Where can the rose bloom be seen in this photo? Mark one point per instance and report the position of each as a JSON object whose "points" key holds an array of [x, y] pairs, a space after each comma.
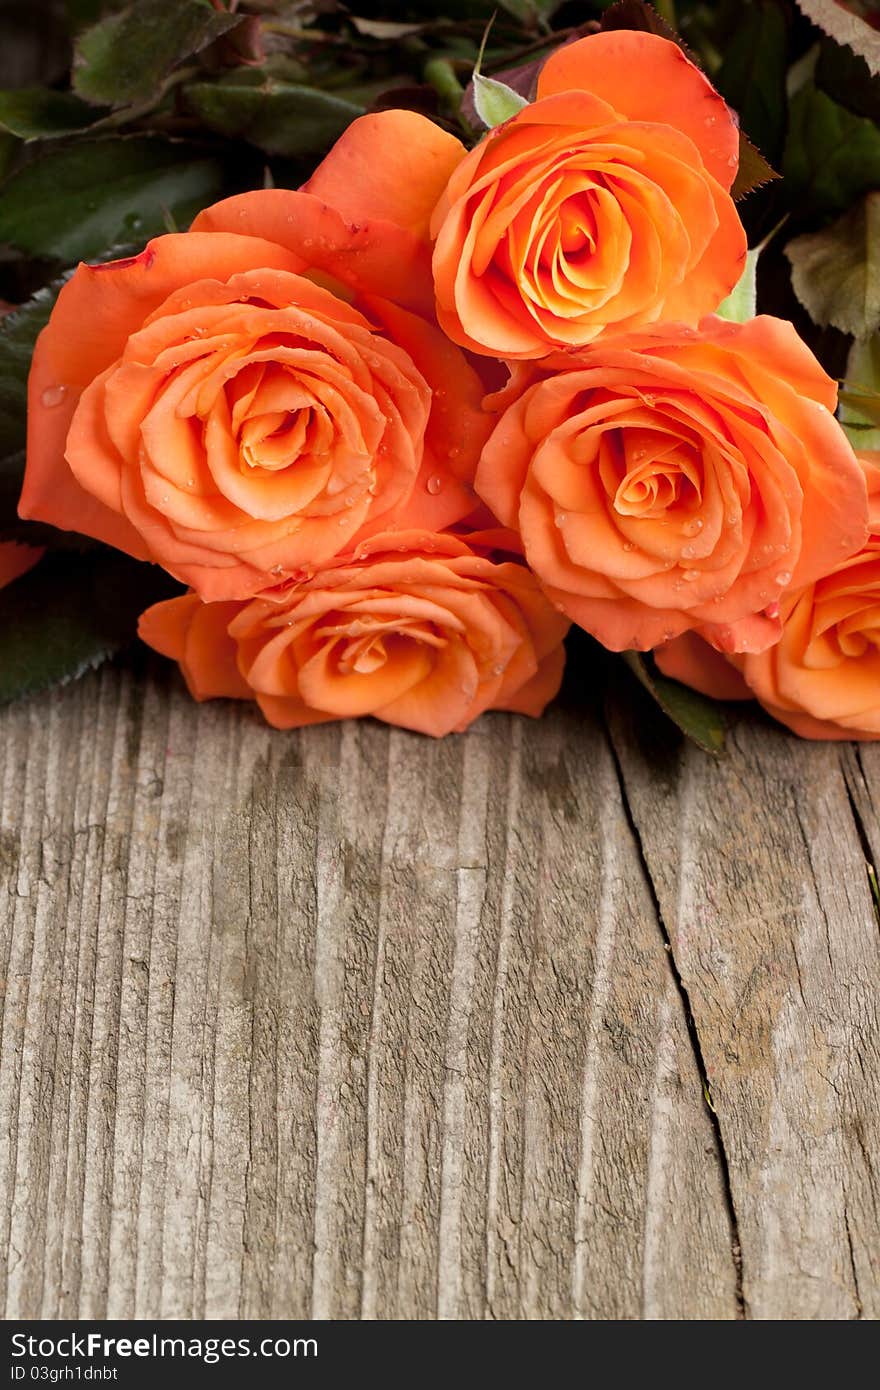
{"points": [[604, 204], [16, 560], [822, 679], [676, 480], [242, 401], [416, 629]]}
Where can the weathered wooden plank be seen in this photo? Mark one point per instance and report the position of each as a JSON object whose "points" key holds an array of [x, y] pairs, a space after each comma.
{"points": [[347, 1024], [762, 884]]}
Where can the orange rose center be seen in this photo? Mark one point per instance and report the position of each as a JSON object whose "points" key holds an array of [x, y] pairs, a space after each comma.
{"points": [[647, 475]]}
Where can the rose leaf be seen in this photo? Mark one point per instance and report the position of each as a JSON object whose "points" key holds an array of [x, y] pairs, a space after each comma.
{"points": [[752, 76], [126, 58], [836, 272], [831, 156], [71, 203], [36, 113], [282, 118], [842, 24], [697, 717], [71, 613], [753, 170], [860, 394]]}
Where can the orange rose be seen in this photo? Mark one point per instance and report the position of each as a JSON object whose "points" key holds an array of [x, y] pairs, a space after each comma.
{"points": [[247, 399], [603, 205], [677, 480], [822, 678], [416, 629]]}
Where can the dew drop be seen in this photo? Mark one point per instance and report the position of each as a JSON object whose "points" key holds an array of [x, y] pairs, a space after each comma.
{"points": [[165, 499], [783, 577], [498, 670], [732, 518], [690, 575], [629, 545], [190, 482], [277, 570], [711, 120], [687, 552], [693, 528], [53, 395], [561, 518], [434, 484]]}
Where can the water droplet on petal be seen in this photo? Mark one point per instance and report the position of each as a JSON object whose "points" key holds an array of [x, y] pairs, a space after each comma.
{"points": [[434, 484], [783, 577], [690, 575], [277, 570], [687, 552], [561, 518], [629, 545], [693, 528], [53, 395], [499, 670]]}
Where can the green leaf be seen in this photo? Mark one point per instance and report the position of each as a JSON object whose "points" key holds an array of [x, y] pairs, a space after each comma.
{"points": [[127, 57], [280, 117], [846, 78], [860, 395], [35, 113], [836, 272], [494, 101], [18, 333], [694, 714], [752, 75], [831, 156], [842, 25], [71, 613], [741, 303], [753, 170], [635, 14], [71, 204]]}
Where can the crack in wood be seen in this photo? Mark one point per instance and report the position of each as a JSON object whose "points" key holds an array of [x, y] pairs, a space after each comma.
{"points": [[692, 1032]]}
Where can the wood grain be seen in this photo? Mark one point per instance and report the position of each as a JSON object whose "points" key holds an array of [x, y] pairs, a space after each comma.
{"points": [[762, 886], [349, 1023]]}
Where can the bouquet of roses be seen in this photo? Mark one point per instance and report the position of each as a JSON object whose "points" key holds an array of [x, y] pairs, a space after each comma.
{"points": [[397, 428]]}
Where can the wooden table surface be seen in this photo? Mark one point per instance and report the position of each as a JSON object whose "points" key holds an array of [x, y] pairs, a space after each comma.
{"points": [[550, 1020]]}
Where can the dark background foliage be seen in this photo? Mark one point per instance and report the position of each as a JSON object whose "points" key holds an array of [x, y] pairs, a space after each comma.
{"points": [[119, 121]]}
